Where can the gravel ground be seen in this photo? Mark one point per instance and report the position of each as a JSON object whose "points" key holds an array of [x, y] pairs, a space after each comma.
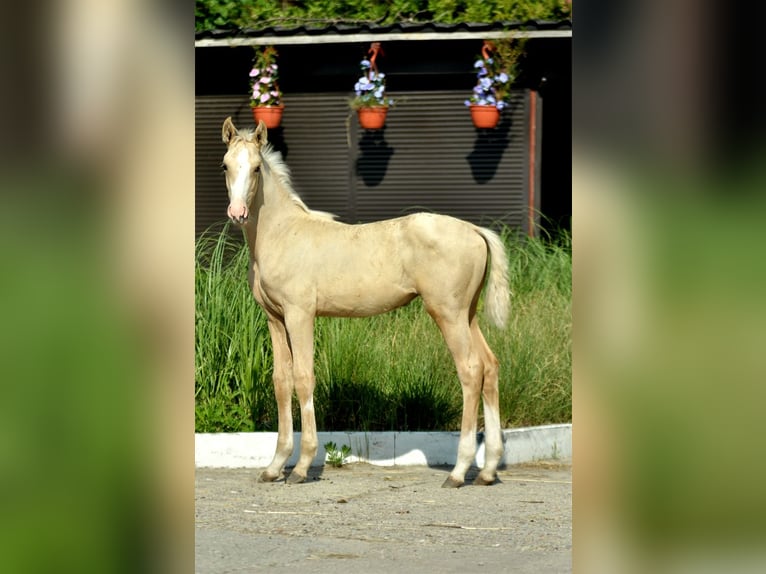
{"points": [[383, 520]]}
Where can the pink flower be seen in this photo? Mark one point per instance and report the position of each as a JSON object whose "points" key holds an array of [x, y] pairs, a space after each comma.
{"points": [[265, 98], [254, 72]]}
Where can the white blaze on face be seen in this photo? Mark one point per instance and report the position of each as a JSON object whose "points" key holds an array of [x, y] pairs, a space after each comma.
{"points": [[240, 186]]}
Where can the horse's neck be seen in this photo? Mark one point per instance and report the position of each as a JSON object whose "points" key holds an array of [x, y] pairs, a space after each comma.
{"points": [[271, 205]]}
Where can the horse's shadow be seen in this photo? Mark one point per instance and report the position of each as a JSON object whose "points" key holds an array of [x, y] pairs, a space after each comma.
{"points": [[374, 155], [316, 474], [488, 150]]}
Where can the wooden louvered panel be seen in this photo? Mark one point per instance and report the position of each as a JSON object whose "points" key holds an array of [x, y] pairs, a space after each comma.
{"points": [[210, 193], [428, 157], [440, 162]]}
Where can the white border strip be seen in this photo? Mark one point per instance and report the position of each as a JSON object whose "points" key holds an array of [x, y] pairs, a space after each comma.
{"points": [[233, 42], [254, 450]]}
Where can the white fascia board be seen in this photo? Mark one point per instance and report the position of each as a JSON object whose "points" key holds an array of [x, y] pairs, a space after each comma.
{"points": [[233, 42]]}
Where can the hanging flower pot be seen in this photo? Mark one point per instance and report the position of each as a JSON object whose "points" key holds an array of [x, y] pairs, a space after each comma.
{"points": [[265, 95], [495, 72], [371, 102], [372, 118], [484, 116], [269, 115]]}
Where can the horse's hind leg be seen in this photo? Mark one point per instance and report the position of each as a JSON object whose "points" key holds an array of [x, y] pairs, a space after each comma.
{"points": [[283, 391], [493, 438], [470, 369]]}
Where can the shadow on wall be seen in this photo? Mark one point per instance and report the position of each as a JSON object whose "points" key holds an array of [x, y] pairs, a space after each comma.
{"points": [[243, 118], [488, 150], [277, 140], [374, 155]]}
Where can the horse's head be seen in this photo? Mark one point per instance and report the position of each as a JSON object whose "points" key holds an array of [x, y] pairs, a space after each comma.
{"points": [[241, 166]]}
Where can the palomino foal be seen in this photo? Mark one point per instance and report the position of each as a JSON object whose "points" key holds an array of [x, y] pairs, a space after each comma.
{"points": [[304, 264]]}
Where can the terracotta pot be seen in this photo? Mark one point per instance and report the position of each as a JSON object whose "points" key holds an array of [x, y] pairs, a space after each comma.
{"points": [[484, 116], [372, 118], [269, 115]]}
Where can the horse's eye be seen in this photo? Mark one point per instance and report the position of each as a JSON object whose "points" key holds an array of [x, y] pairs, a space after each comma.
{"points": [[223, 166]]}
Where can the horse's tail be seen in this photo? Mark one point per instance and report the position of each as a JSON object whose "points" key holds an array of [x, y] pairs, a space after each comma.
{"points": [[497, 302]]}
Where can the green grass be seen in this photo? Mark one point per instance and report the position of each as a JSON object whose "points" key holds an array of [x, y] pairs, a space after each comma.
{"points": [[389, 372]]}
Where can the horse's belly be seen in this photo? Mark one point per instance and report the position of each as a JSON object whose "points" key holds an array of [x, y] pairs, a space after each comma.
{"points": [[362, 300]]}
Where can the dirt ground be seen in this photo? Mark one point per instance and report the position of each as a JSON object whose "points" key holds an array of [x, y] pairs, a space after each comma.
{"points": [[365, 518]]}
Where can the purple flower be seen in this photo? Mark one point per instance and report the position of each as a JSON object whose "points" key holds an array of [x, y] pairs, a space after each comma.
{"points": [[478, 64], [502, 77], [370, 88], [485, 83]]}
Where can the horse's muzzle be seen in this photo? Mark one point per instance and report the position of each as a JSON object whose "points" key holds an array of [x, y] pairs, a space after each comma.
{"points": [[237, 213]]}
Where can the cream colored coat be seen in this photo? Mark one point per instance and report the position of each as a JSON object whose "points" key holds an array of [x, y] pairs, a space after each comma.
{"points": [[305, 264]]}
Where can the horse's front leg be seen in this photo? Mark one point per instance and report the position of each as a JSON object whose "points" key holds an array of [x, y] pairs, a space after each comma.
{"points": [[283, 391], [300, 330]]}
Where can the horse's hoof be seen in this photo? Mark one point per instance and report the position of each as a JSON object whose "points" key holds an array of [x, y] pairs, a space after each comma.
{"points": [[482, 481], [452, 483], [266, 477], [296, 478]]}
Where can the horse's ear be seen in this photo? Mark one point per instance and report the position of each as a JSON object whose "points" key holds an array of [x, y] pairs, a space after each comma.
{"points": [[228, 131], [261, 134]]}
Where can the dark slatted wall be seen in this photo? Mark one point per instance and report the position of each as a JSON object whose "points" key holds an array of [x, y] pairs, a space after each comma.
{"points": [[315, 147], [210, 189], [428, 157]]}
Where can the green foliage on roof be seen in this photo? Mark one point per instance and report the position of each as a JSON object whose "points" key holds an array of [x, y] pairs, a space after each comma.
{"points": [[257, 14]]}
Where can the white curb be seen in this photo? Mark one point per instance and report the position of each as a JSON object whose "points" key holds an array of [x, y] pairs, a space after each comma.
{"points": [[255, 450]]}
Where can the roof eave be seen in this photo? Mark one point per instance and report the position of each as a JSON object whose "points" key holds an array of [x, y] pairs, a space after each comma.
{"points": [[352, 34]]}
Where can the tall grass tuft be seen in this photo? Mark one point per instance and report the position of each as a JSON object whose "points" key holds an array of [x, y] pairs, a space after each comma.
{"points": [[384, 373], [233, 362], [389, 372], [535, 351]]}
